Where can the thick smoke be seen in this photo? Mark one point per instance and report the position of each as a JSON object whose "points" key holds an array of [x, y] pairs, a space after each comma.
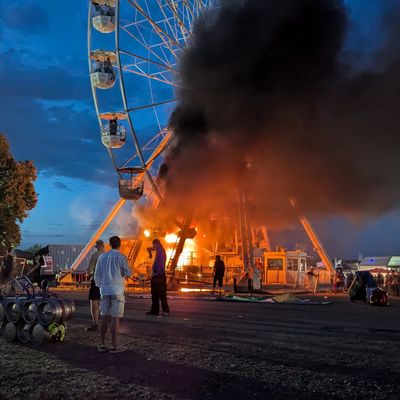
{"points": [[270, 108]]}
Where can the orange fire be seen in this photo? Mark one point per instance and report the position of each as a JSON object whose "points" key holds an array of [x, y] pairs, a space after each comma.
{"points": [[188, 252]]}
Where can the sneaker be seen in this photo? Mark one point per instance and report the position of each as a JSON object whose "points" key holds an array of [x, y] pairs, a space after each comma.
{"points": [[118, 349], [165, 314], [151, 313], [102, 349], [93, 328]]}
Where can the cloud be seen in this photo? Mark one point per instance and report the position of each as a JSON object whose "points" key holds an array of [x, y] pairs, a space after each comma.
{"points": [[28, 17], [62, 186], [90, 227], [51, 83], [55, 122], [41, 235]]}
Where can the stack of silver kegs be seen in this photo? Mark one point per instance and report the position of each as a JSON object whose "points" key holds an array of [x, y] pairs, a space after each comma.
{"points": [[34, 320]]}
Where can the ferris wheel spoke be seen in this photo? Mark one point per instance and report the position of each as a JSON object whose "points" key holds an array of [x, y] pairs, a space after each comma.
{"points": [[165, 37], [148, 60], [143, 43], [152, 145], [160, 148], [150, 76], [184, 30], [168, 22], [151, 105], [188, 8]]}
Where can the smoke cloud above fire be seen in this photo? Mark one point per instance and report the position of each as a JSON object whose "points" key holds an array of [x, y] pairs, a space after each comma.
{"points": [[270, 107]]}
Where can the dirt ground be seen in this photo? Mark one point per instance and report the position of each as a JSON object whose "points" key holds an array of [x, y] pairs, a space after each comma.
{"points": [[218, 350]]}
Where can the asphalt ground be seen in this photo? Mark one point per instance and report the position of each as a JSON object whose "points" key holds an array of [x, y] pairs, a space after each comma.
{"points": [[218, 350]]}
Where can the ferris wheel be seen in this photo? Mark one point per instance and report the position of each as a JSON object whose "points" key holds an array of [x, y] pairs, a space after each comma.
{"points": [[134, 48]]}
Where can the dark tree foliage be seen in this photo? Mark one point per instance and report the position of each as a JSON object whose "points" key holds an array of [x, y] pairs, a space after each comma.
{"points": [[17, 194]]}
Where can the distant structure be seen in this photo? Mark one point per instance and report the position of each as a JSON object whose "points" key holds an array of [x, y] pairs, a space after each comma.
{"points": [[385, 263], [65, 254]]}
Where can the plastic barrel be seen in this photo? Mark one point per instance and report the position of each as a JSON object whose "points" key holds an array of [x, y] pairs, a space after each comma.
{"points": [[9, 331], [29, 310], [40, 335], [12, 309], [24, 331]]}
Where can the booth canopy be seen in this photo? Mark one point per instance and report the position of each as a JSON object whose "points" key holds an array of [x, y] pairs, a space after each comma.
{"points": [[102, 55], [385, 263], [112, 115]]}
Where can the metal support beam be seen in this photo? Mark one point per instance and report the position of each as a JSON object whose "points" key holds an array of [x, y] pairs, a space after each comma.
{"points": [[316, 242], [98, 233]]}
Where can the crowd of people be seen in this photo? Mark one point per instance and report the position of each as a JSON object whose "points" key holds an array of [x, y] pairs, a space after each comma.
{"points": [[390, 282]]}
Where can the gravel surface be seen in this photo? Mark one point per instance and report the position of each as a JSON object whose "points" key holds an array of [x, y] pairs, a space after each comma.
{"points": [[218, 350]]}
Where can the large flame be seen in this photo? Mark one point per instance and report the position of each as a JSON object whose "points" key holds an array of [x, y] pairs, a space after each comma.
{"points": [[189, 253]]}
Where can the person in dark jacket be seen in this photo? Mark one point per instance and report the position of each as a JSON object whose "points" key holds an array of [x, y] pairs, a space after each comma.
{"points": [[8, 266], [219, 273], [158, 280]]}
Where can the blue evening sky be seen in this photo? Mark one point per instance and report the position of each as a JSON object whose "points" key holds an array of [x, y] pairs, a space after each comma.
{"points": [[47, 114]]}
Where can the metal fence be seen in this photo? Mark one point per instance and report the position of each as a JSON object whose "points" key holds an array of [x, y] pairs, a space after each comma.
{"points": [[65, 254]]}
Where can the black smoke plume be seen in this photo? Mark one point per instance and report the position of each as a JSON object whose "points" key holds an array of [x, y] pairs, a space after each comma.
{"points": [[270, 107]]}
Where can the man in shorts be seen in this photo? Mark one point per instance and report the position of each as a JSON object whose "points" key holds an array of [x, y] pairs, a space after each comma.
{"points": [[94, 291], [111, 270]]}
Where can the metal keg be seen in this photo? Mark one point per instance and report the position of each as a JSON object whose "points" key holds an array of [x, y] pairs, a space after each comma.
{"points": [[29, 310], [9, 331], [68, 308], [50, 310], [40, 335], [12, 309], [55, 310], [1, 311], [24, 331]]}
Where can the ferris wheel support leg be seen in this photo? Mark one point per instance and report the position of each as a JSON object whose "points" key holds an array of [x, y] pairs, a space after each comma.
{"points": [[118, 205], [315, 240]]}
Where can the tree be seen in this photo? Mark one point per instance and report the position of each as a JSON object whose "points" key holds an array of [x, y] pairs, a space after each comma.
{"points": [[17, 194], [34, 249]]}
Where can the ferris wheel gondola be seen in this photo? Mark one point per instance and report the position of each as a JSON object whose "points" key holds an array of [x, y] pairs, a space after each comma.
{"points": [[149, 37]]}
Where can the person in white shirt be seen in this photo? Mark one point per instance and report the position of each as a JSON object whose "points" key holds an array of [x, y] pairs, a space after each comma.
{"points": [[111, 270]]}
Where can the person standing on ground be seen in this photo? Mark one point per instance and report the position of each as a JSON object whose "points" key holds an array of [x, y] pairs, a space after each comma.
{"points": [[219, 272], [158, 280], [111, 270], [8, 268], [339, 281], [94, 291]]}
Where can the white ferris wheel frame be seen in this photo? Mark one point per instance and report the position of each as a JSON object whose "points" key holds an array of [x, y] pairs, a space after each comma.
{"points": [[171, 34]]}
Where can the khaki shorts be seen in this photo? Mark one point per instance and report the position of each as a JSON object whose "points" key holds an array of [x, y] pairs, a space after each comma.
{"points": [[113, 305]]}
